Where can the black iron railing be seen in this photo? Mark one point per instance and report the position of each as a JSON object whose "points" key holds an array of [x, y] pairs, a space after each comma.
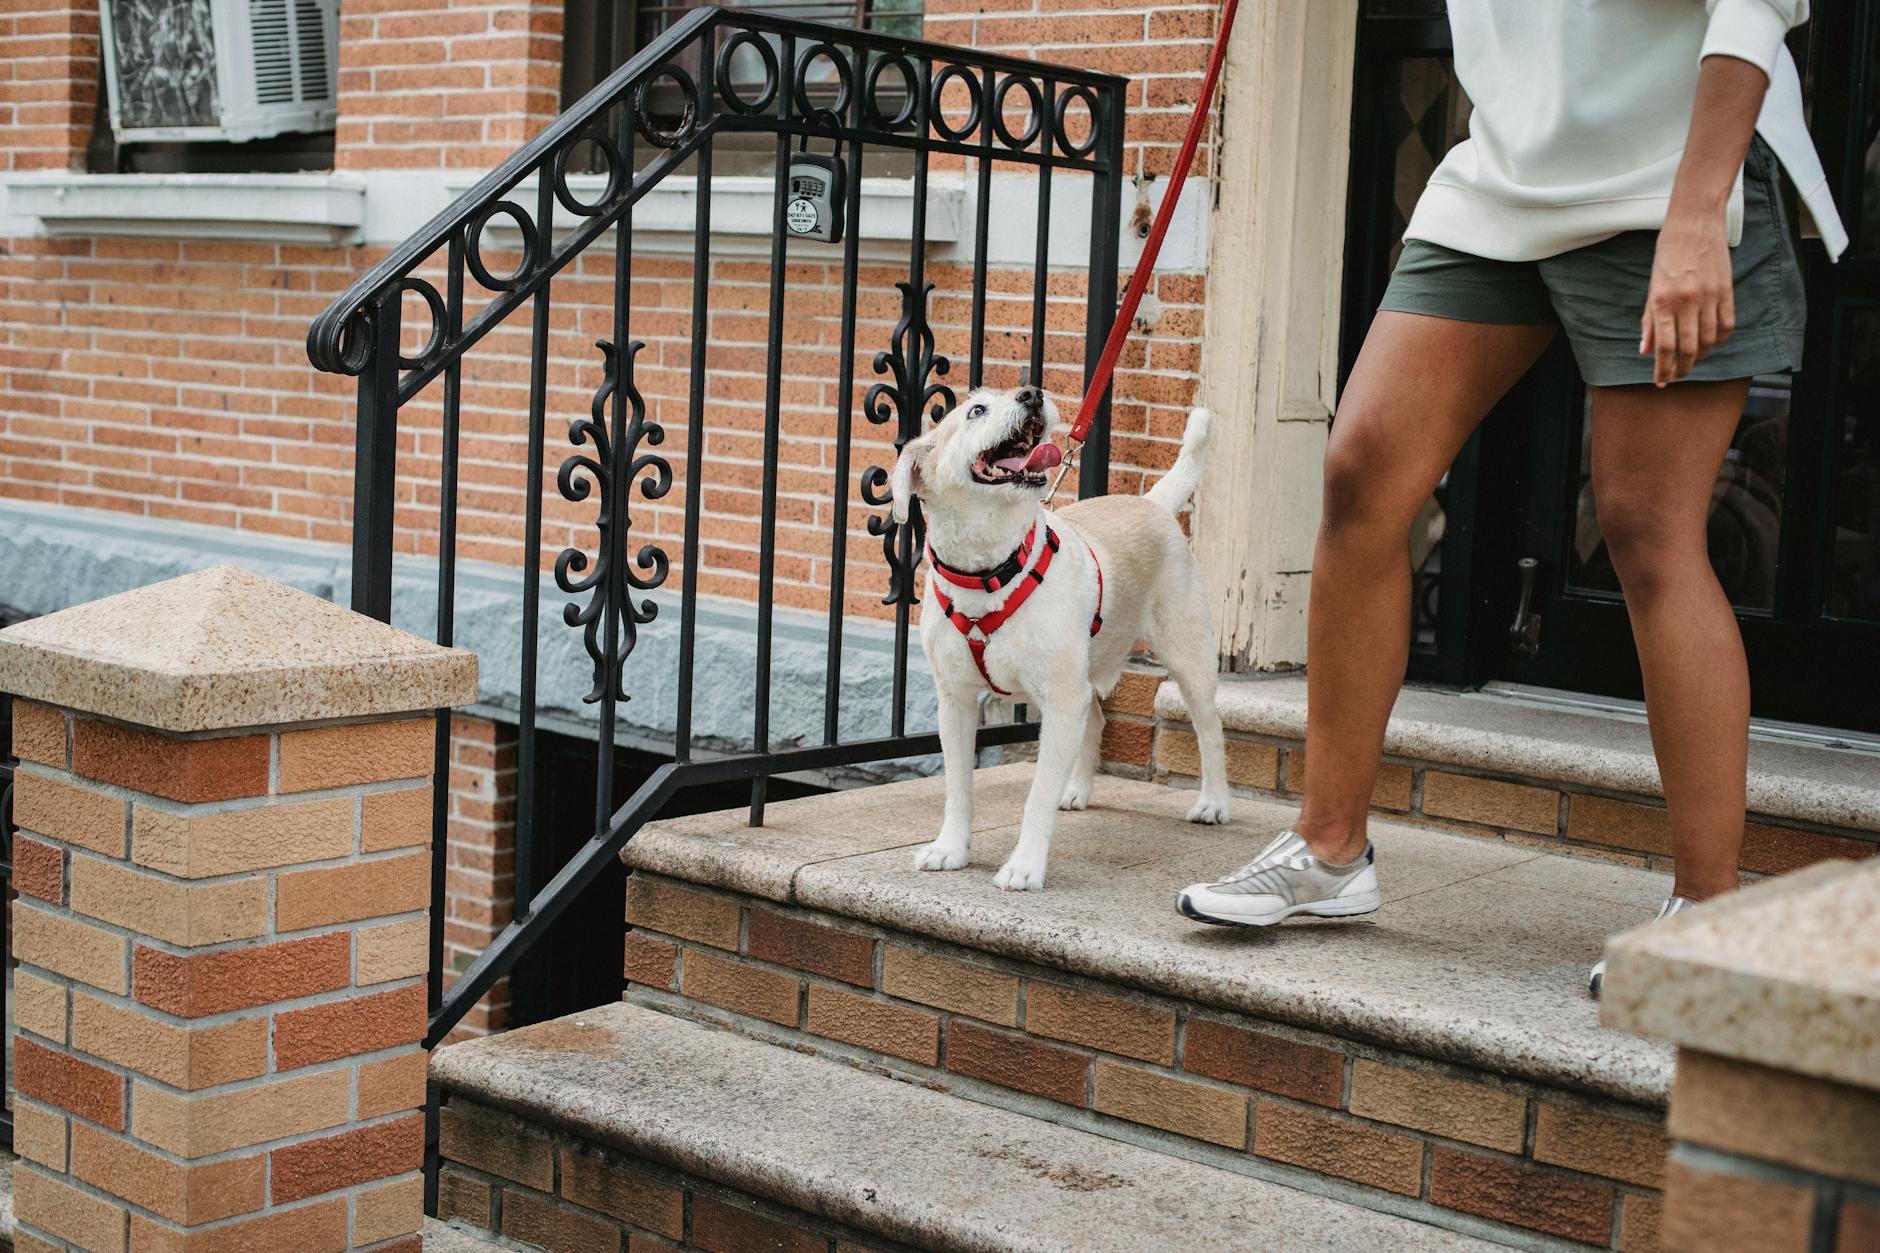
{"points": [[664, 109]]}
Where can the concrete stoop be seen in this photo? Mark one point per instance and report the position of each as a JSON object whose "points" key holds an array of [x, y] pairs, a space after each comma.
{"points": [[622, 1122], [1438, 1062], [1529, 767]]}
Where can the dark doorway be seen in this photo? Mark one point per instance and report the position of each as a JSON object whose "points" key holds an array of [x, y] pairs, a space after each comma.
{"points": [[1795, 524]]}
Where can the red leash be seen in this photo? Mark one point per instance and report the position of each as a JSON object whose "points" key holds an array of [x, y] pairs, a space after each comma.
{"points": [[1145, 265]]}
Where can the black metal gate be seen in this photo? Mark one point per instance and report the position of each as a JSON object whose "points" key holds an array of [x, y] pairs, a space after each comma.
{"points": [[714, 73]]}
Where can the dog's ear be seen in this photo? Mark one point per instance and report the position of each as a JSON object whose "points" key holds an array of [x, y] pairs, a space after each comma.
{"points": [[905, 482]]}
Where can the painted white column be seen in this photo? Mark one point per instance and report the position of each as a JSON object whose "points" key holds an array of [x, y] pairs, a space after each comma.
{"points": [[1269, 359]]}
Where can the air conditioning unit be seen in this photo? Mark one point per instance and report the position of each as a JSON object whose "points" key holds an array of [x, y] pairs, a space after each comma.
{"points": [[219, 69]]}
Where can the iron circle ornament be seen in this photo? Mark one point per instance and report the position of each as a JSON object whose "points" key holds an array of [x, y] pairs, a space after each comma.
{"points": [[845, 83], [688, 119], [354, 342], [1060, 115], [473, 244], [871, 93], [1017, 143], [727, 85], [435, 341], [975, 93], [616, 173]]}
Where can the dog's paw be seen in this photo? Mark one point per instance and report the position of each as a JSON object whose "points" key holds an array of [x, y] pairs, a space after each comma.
{"points": [[1209, 809], [1015, 877], [1076, 795], [940, 855]]}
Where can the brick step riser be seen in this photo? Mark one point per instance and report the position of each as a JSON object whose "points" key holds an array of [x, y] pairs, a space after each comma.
{"points": [[502, 1174], [1447, 1144], [1546, 813]]}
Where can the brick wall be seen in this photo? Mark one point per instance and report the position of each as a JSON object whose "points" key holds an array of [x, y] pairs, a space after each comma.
{"points": [[48, 82], [479, 882], [168, 378], [429, 84]]}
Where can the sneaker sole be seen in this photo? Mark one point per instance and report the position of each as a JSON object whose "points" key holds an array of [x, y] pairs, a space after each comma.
{"points": [[1346, 907]]}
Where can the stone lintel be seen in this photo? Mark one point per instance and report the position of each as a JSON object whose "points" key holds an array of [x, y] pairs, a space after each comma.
{"points": [[1785, 973], [225, 648]]}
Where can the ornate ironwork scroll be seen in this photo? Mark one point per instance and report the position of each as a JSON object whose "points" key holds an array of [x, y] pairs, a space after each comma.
{"points": [[607, 474], [903, 398]]}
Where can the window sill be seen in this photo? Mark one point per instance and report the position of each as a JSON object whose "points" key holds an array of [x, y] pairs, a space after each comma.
{"points": [[743, 209], [276, 208]]}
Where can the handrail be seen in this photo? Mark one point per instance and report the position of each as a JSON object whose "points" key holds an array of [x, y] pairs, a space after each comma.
{"points": [[327, 336]]}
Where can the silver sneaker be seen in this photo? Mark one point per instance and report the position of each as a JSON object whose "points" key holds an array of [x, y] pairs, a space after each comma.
{"points": [[1672, 905], [1285, 879]]}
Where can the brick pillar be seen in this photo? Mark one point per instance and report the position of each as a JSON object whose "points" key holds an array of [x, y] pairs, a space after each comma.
{"points": [[48, 83], [1771, 995], [223, 807]]}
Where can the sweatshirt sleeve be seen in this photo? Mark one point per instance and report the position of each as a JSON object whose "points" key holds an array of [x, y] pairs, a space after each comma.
{"points": [[1751, 30]]}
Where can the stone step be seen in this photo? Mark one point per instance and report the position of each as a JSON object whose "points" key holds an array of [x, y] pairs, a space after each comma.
{"points": [[622, 1121], [1441, 1054], [455, 1237], [1531, 765]]}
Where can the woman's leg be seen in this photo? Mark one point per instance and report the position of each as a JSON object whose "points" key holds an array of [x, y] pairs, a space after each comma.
{"points": [[1655, 459], [1421, 385]]}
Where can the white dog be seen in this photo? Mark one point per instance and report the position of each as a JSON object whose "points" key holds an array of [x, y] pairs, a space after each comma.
{"points": [[1045, 607]]}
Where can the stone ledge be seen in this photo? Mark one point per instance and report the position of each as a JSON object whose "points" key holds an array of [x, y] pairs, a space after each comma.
{"points": [[1834, 787], [224, 648], [275, 208], [1479, 955], [1784, 973], [896, 1160]]}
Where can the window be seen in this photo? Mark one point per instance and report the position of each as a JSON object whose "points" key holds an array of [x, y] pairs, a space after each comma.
{"points": [[599, 35]]}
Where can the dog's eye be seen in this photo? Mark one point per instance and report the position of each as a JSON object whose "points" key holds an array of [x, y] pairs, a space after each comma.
{"points": [[977, 411]]}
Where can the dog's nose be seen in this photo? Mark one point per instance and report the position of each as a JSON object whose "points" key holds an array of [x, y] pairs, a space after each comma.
{"points": [[1030, 397]]}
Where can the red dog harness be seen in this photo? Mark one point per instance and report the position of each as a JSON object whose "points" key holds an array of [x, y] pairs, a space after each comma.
{"points": [[996, 578]]}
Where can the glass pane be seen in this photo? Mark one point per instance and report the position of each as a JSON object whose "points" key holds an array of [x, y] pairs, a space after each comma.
{"points": [[1430, 116], [1854, 562], [1868, 118], [1745, 505]]}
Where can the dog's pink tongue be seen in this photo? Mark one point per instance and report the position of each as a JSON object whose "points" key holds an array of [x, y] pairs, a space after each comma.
{"points": [[1043, 457]]}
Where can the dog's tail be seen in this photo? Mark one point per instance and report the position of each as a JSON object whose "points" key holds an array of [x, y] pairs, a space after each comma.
{"points": [[1174, 488]]}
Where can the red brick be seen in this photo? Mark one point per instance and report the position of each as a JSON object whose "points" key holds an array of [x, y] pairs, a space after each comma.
{"points": [[75, 1086], [810, 946], [651, 962], [1016, 1061], [721, 1228], [379, 1151], [1559, 1204], [38, 870], [1271, 1063], [182, 770], [241, 978], [361, 1024]]}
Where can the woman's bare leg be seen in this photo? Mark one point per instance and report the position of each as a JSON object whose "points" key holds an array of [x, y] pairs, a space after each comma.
{"points": [[1421, 385], [1655, 459]]}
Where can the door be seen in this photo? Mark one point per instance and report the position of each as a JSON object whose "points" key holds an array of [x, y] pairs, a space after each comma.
{"points": [[1795, 520]]}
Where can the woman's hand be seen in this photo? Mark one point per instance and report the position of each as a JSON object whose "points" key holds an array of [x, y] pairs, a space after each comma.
{"points": [[1690, 307]]}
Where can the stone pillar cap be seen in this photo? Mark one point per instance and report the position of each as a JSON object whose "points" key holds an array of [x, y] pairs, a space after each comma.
{"points": [[224, 648], [1785, 973]]}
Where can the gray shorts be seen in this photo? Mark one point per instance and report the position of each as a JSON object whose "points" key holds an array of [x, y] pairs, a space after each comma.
{"points": [[1597, 293]]}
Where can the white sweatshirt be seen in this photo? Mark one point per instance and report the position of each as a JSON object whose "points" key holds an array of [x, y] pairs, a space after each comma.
{"points": [[1582, 108]]}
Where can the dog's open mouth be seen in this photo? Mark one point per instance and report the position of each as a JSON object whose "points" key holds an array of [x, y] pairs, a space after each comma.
{"points": [[1023, 460]]}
